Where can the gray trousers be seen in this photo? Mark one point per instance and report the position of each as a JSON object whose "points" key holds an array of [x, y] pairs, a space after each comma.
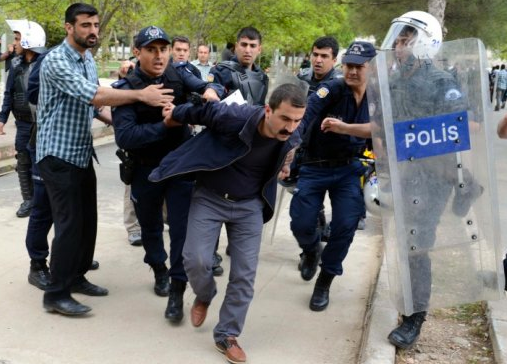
{"points": [[243, 222]]}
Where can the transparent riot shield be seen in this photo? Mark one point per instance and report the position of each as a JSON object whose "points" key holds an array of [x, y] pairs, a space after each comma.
{"points": [[279, 75], [432, 129]]}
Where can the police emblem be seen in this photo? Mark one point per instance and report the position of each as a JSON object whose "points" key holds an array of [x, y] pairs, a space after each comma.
{"points": [[210, 77], [322, 92], [153, 32], [452, 95]]}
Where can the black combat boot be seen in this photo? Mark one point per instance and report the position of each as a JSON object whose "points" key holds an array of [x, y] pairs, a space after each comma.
{"points": [[174, 310], [405, 335], [216, 267], [161, 286], [308, 263], [320, 296], [39, 275]]}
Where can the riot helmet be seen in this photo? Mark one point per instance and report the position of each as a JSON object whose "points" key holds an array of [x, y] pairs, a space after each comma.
{"points": [[33, 37], [420, 33]]}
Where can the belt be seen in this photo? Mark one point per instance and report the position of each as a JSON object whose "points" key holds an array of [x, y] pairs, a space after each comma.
{"points": [[226, 196], [329, 163]]}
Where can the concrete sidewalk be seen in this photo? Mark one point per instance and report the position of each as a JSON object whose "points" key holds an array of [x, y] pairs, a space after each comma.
{"points": [[128, 326]]}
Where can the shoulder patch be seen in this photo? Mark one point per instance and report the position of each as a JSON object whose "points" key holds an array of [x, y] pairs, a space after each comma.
{"points": [[452, 95], [322, 92], [119, 83], [210, 77]]}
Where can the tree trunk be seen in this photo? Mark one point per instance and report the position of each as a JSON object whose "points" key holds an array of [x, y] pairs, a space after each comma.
{"points": [[437, 9]]}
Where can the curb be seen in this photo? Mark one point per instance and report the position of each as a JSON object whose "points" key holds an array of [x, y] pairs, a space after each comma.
{"points": [[102, 134], [497, 318], [382, 319]]}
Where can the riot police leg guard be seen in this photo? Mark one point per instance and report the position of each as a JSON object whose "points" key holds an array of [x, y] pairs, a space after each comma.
{"points": [[25, 182], [405, 335], [320, 296], [174, 310]]}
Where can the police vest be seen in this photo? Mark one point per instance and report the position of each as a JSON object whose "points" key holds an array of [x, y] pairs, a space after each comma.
{"points": [[306, 75], [252, 85], [153, 153], [20, 107]]}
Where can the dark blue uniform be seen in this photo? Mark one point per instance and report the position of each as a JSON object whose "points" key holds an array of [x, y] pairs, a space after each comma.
{"points": [[140, 130], [306, 75], [329, 166], [15, 101]]}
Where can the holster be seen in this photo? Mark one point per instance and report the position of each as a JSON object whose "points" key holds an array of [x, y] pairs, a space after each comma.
{"points": [[127, 166]]}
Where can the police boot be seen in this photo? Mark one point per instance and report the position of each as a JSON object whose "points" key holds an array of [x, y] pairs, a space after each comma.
{"points": [[216, 267], [161, 286], [39, 275], [309, 262], [320, 296], [405, 335], [174, 310], [25, 183]]}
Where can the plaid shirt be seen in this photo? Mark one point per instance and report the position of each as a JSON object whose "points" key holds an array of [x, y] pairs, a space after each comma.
{"points": [[68, 83], [502, 80]]}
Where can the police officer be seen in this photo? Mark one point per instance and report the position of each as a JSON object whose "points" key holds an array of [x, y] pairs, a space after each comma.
{"points": [[417, 89], [336, 124], [141, 131], [241, 72], [181, 53], [29, 41], [322, 60]]}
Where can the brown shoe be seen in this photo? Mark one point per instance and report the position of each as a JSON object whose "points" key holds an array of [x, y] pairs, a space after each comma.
{"points": [[231, 349], [198, 312]]}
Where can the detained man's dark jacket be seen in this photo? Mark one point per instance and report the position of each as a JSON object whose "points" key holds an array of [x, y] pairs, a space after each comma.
{"points": [[228, 137]]}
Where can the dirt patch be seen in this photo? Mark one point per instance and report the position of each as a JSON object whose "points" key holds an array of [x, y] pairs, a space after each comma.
{"points": [[457, 335]]}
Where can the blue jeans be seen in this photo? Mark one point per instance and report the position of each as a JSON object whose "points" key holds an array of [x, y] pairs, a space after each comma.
{"points": [[347, 203], [148, 198]]}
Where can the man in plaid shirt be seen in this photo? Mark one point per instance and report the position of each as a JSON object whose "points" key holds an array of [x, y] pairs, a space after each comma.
{"points": [[69, 98]]}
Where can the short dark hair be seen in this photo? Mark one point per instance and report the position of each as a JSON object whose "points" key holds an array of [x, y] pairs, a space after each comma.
{"points": [[327, 42], [203, 45], [290, 93], [77, 9], [229, 45], [180, 39], [250, 33]]}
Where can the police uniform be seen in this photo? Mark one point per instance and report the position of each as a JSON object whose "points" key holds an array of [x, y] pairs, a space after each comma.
{"points": [[329, 166], [253, 83], [306, 74], [436, 93], [15, 101], [140, 130]]}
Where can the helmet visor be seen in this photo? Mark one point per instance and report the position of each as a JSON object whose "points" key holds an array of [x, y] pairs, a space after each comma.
{"points": [[399, 34]]}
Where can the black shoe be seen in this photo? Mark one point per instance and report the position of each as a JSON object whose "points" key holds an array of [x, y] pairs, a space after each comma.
{"points": [[39, 275], [66, 306], [95, 265], [308, 264], [320, 296], [216, 268], [89, 289], [405, 335], [174, 310], [24, 209], [161, 286]]}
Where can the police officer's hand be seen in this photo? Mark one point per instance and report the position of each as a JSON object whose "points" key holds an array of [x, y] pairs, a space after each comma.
{"points": [[2, 132], [167, 113], [333, 125], [210, 95], [155, 95], [125, 67]]}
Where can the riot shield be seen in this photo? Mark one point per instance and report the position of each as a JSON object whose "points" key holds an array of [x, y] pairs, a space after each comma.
{"points": [[432, 125]]}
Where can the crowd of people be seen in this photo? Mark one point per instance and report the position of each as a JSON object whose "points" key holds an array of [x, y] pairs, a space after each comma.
{"points": [[161, 101]]}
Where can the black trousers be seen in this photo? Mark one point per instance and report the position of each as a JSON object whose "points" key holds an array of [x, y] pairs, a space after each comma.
{"points": [[72, 194]]}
